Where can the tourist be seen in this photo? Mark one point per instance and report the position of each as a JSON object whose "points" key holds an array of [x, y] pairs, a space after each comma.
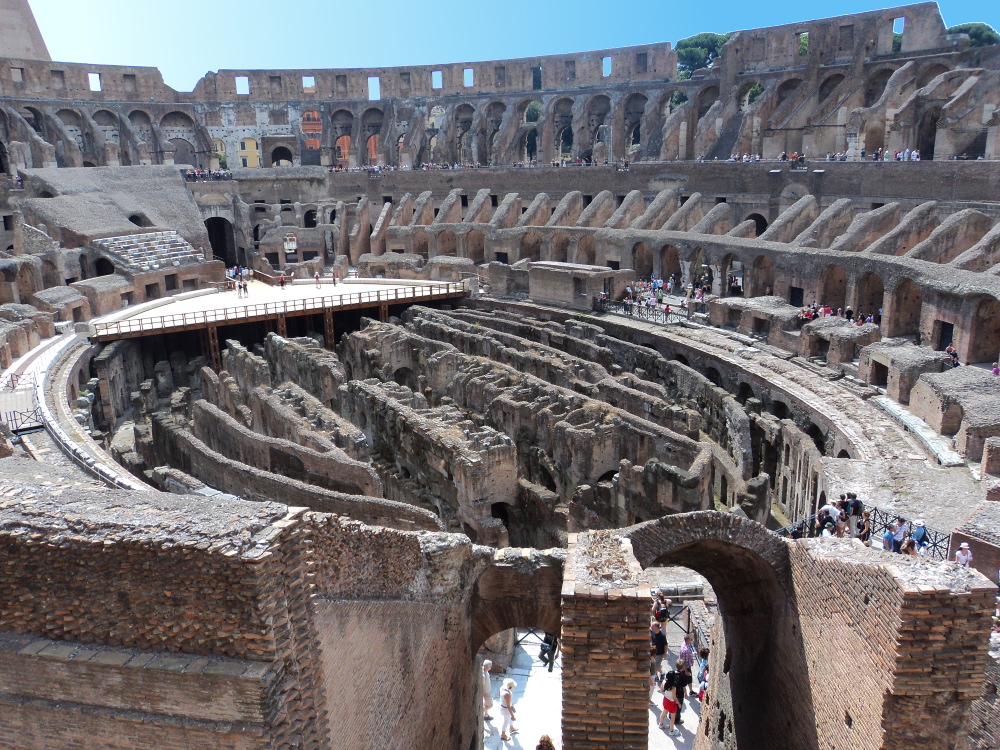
{"points": [[682, 682], [909, 547], [652, 674], [829, 530], [545, 743], [661, 608], [865, 527], [888, 535], [900, 534], [507, 709], [318, 286], [702, 673], [963, 556], [548, 651], [487, 690], [281, 281], [996, 369], [687, 653], [670, 707], [919, 537], [658, 641]]}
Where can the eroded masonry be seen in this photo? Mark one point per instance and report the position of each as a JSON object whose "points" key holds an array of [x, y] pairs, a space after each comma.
{"points": [[448, 408]]}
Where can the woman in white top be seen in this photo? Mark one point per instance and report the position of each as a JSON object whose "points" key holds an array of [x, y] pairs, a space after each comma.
{"points": [[507, 709], [964, 555]]}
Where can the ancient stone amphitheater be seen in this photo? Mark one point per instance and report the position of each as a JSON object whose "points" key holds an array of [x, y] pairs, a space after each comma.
{"points": [[271, 522]]}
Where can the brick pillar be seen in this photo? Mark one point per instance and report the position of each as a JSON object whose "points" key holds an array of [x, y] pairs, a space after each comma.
{"points": [[605, 679]]}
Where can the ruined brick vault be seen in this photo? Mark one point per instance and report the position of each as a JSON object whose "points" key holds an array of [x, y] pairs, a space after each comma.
{"points": [[272, 533]]}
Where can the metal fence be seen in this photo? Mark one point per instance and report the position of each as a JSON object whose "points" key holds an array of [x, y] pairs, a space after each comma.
{"points": [[18, 402], [937, 541], [641, 312]]}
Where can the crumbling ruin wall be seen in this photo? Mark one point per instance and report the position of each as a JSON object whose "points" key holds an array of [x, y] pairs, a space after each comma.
{"points": [[332, 469], [119, 370], [171, 444], [289, 412], [304, 362]]}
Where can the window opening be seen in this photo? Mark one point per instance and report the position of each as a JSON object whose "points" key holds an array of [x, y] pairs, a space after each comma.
{"points": [[242, 85]]}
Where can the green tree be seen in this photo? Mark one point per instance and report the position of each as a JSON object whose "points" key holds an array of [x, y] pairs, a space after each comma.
{"points": [[223, 163], [755, 91], [699, 51], [677, 100], [532, 113], [980, 34], [897, 43]]}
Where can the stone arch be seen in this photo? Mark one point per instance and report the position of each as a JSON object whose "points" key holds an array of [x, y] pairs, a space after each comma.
{"points": [[786, 88], [475, 246], [562, 127], [642, 260], [869, 294], [309, 219], [759, 222], [907, 304], [984, 332], [491, 123], [531, 246], [828, 86], [463, 118], [222, 240], [762, 277], [744, 393], [706, 98], [559, 248], [632, 112], [743, 95], [586, 250], [103, 267], [341, 130], [832, 290], [597, 113], [726, 270], [281, 157], [35, 119], [371, 130], [750, 571], [519, 593], [929, 73], [447, 243], [876, 84]]}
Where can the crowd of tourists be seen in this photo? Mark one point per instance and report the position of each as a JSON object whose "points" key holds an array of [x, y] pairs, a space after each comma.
{"points": [[207, 175], [688, 677], [816, 310]]}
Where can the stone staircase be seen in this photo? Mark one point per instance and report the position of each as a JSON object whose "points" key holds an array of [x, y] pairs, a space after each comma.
{"points": [[152, 250]]}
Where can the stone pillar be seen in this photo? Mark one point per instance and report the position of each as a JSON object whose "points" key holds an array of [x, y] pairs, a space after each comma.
{"points": [[605, 642]]}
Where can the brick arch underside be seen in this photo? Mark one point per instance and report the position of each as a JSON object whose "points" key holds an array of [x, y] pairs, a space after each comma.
{"points": [[760, 675], [508, 597]]}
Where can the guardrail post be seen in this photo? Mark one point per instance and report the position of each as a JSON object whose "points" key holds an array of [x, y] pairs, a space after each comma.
{"points": [[383, 313], [210, 346], [282, 325]]}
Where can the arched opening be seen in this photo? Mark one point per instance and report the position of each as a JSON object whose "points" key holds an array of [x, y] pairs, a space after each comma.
{"points": [[832, 287], [870, 293], [221, 238], [843, 454], [597, 112], [103, 267], [762, 277], [828, 86], [759, 222], [407, 377], [309, 219], [787, 88], [566, 143], [984, 333], [4, 160], [670, 268], [875, 86], [681, 360], [732, 276], [342, 149], [818, 436], [744, 393], [929, 73], [529, 146], [281, 157], [446, 243], [713, 375], [184, 152], [531, 247], [475, 246], [84, 267], [759, 637], [780, 410], [559, 248], [642, 260], [706, 99], [907, 303], [927, 133], [586, 250], [633, 110], [140, 220]]}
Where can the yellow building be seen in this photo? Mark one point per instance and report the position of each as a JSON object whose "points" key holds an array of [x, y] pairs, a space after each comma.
{"points": [[249, 153]]}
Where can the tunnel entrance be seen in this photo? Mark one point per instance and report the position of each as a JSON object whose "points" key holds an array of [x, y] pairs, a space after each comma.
{"points": [[220, 236]]}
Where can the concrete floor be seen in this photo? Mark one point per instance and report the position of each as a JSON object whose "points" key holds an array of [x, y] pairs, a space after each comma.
{"points": [[538, 702]]}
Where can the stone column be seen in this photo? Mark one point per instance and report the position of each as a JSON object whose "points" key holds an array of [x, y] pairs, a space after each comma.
{"points": [[605, 642]]}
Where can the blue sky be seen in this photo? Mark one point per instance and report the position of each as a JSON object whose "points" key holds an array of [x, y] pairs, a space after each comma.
{"points": [[187, 38]]}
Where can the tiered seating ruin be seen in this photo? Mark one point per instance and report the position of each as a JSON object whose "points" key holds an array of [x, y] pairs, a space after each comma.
{"points": [[152, 250]]}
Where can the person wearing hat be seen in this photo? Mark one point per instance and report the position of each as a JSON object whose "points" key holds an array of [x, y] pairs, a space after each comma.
{"points": [[828, 529], [964, 555], [919, 536], [507, 709]]}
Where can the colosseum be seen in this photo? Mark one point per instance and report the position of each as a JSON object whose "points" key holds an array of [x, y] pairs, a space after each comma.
{"points": [[320, 387]]}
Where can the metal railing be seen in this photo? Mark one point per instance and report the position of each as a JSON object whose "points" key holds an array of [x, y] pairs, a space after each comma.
{"points": [[267, 309], [936, 547], [641, 311]]}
